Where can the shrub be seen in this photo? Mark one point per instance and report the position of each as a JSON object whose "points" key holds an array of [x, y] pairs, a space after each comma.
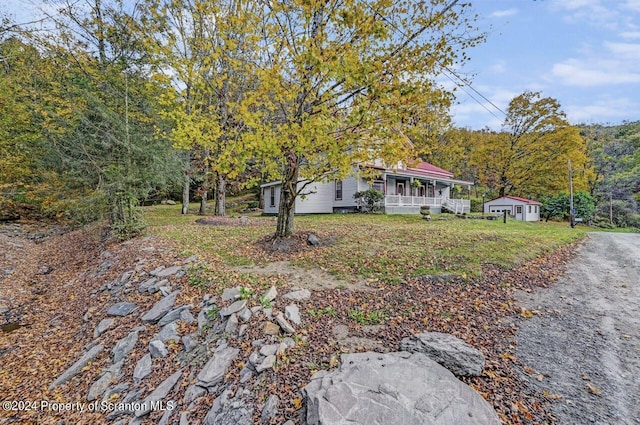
{"points": [[369, 200]]}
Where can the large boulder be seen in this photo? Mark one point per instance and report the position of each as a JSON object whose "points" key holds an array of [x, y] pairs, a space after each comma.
{"points": [[451, 352], [408, 388]]}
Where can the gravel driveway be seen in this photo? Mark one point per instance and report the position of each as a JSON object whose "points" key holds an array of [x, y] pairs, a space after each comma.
{"points": [[583, 344]]}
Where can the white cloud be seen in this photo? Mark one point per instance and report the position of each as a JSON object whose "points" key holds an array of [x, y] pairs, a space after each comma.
{"points": [[498, 67], [602, 110], [503, 13], [630, 35], [629, 52], [611, 64], [573, 72], [632, 5], [592, 12]]}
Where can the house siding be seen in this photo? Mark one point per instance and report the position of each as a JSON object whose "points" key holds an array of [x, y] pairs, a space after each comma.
{"points": [[319, 199], [266, 196], [349, 188]]}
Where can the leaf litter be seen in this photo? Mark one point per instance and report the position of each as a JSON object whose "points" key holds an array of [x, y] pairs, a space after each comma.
{"points": [[62, 315]]}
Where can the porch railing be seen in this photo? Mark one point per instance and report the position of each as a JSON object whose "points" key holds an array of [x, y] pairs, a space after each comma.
{"points": [[411, 201], [456, 205]]}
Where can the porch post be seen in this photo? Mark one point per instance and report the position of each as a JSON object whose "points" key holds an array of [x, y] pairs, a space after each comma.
{"points": [[411, 189]]}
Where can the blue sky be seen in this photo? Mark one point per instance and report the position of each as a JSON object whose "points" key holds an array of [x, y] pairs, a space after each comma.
{"points": [[584, 53]]}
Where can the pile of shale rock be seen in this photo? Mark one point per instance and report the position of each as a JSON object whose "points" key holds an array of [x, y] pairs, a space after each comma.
{"points": [[415, 385]]}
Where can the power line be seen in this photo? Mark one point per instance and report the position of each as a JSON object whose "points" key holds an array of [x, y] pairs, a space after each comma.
{"points": [[461, 82]]}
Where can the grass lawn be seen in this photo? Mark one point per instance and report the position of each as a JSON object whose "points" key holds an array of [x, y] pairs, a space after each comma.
{"points": [[389, 248]]}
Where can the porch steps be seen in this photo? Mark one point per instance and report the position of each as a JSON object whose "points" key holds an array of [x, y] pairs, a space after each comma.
{"points": [[454, 206]]}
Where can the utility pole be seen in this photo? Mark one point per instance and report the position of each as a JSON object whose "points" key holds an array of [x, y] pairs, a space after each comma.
{"points": [[572, 218], [611, 208]]}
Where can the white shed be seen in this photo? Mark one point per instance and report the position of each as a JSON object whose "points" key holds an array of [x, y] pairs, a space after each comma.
{"points": [[518, 208]]}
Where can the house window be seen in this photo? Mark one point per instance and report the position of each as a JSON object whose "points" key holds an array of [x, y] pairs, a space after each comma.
{"points": [[272, 196], [401, 189], [338, 190], [379, 185]]}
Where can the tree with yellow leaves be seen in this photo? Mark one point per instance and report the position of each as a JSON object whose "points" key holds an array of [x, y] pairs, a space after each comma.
{"points": [[530, 157], [204, 55], [347, 82]]}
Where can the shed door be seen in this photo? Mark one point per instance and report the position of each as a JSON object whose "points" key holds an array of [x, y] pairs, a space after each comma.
{"points": [[518, 212]]}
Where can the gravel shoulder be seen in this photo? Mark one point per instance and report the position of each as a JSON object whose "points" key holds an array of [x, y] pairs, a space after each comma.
{"points": [[582, 347]]}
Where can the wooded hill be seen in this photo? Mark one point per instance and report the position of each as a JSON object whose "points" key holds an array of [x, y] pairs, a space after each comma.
{"points": [[108, 109]]}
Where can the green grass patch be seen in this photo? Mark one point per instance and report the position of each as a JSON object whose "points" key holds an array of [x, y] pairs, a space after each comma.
{"points": [[388, 248]]}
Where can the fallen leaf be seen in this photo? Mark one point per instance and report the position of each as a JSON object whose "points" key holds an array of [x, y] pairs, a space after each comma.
{"points": [[593, 389]]}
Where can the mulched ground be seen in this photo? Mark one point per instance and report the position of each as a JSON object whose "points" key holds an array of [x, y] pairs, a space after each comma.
{"points": [[49, 285]]}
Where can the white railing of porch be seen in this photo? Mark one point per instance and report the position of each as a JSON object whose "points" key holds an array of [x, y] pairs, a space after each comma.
{"points": [[411, 201], [458, 206]]}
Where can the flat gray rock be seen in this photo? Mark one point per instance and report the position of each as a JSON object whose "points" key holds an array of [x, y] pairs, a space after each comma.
{"points": [[173, 315], [160, 308], [190, 342], [144, 286], [267, 363], [449, 351], [121, 309], [103, 326], [284, 325], [124, 346], [292, 313], [157, 348], [143, 368], [102, 383], [166, 271], [270, 409], [229, 294], [168, 332], [216, 368], [396, 388], [229, 411], [233, 308], [159, 394], [300, 294], [232, 324], [270, 295], [77, 366]]}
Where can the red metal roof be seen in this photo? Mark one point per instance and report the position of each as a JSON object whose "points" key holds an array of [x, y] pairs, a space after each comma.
{"points": [[425, 167]]}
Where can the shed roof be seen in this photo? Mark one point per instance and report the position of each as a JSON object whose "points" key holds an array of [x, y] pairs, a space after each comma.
{"points": [[518, 199]]}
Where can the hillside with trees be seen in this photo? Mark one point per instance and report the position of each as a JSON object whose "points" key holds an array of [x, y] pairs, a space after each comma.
{"points": [[111, 108]]}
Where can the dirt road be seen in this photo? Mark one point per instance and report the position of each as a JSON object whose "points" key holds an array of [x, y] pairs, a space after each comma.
{"points": [[584, 344]]}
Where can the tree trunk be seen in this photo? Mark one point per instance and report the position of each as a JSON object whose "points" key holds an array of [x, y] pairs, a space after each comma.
{"points": [[204, 189], [221, 187], [203, 200], [186, 183], [286, 209]]}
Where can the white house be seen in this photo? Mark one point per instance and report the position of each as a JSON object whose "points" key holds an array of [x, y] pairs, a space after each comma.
{"points": [[405, 190], [519, 208]]}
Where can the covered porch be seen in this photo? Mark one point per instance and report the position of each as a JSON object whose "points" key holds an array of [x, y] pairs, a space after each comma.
{"points": [[405, 194]]}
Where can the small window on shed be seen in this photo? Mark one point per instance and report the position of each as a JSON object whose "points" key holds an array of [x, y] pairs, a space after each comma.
{"points": [[338, 190], [529, 208], [272, 196]]}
